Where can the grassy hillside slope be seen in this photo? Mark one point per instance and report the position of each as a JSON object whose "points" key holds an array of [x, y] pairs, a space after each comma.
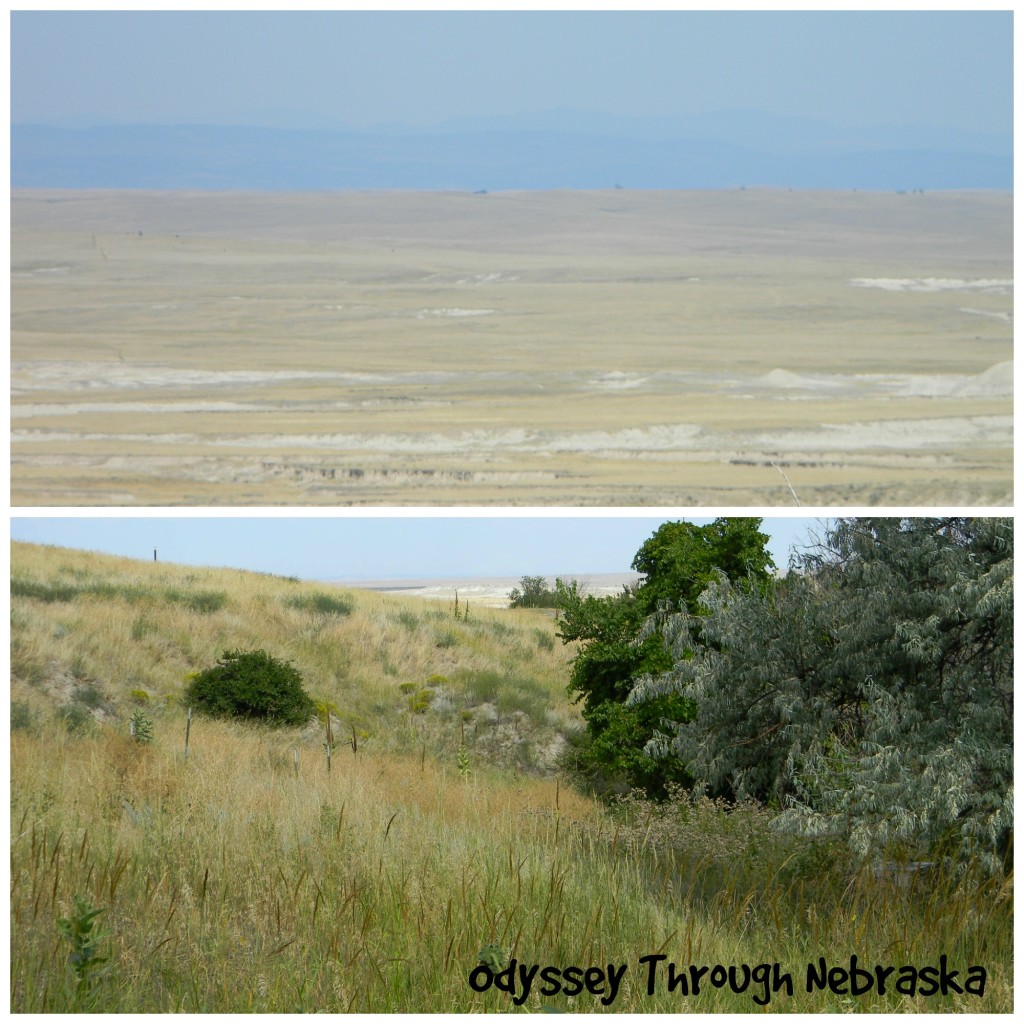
{"points": [[230, 880], [97, 636]]}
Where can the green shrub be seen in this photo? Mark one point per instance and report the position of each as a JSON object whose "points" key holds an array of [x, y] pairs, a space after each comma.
{"points": [[321, 603], [410, 620], [521, 693], [501, 630], [79, 668], [493, 956], [27, 662], [203, 601], [325, 707], [141, 727], [75, 718], [482, 685], [22, 716], [612, 754], [75, 571], [419, 702], [78, 930], [89, 695], [140, 697], [275, 576], [141, 626], [49, 592], [545, 641], [254, 685], [56, 590]]}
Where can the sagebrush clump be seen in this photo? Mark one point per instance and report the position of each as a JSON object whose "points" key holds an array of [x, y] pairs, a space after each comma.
{"points": [[253, 685]]}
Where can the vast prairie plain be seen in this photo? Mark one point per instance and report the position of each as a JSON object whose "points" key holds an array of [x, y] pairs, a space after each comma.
{"points": [[740, 347]]}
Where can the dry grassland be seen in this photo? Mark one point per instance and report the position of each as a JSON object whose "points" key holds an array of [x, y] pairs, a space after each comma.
{"points": [[562, 348], [111, 628]]}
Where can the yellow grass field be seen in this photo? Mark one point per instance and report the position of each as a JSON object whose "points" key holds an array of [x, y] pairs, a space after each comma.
{"points": [[746, 347]]}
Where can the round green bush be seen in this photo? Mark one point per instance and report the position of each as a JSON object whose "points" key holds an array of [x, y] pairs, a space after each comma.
{"points": [[254, 685]]}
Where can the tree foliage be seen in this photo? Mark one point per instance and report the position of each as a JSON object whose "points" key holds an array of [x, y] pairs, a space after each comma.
{"points": [[869, 694], [677, 562], [253, 685], [681, 559], [535, 593]]}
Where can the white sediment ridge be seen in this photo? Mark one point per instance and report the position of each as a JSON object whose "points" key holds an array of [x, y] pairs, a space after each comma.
{"points": [[906, 434], [28, 378], [456, 312], [998, 286], [1001, 315]]}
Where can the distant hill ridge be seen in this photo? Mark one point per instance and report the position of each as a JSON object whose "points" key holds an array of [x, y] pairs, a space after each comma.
{"points": [[595, 153]]}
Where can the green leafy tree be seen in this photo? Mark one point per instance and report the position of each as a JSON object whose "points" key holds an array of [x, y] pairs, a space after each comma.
{"points": [[535, 593], [681, 559], [869, 695], [253, 685], [677, 563]]}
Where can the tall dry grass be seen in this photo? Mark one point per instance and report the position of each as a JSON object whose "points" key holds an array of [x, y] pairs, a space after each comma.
{"points": [[228, 883]]}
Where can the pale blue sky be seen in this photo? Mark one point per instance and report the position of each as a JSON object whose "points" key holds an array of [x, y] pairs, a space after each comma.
{"points": [[947, 68], [381, 547]]}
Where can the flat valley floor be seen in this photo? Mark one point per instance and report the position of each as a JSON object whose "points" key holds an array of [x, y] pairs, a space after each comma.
{"points": [[750, 347]]}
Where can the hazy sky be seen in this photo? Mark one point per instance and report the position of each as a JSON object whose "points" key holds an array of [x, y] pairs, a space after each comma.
{"points": [[952, 69], [378, 547]]}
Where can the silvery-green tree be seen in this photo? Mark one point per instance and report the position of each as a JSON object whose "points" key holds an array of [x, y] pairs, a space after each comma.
{"points": [[869, 695]]}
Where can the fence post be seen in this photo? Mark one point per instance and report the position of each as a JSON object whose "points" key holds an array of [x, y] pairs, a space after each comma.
{"points": [[188, 729]]}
